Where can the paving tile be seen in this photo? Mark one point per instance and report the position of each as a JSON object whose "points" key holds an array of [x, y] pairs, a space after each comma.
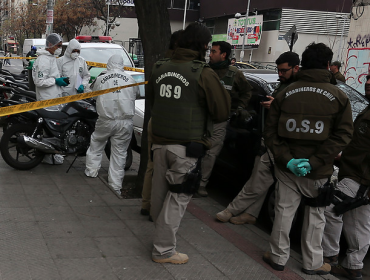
{"points": [[86, 213], [11, 188], [13, 200], [67, 248], [85, 200], [121, 246], [21, 214], [106, 228], [129, 212], [67, 179], [196, 268], [138, 267], [238, 265], [141, 227], [23, 249], [37, 189], [34, 179], [19, 230], [54, 213], [38, 269], [85, 268], [46, 200], [71, 189], [65, 229], [110, 198]]}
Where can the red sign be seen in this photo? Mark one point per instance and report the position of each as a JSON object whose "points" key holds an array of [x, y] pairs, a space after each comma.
{"points": [[49, 16]]}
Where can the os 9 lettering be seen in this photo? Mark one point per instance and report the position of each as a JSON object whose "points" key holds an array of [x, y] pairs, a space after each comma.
{"points": [[291, 125], [166, 91]]}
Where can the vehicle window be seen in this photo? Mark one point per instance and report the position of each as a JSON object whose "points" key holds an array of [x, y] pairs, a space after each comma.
{"points": [[358, 102], [102, 55], [138, 79]]}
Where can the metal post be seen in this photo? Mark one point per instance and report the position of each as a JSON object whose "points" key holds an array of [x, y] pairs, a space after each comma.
{"points": [[49, 24], [245, 32], [107, 32], [341, 39], [183, 24]]}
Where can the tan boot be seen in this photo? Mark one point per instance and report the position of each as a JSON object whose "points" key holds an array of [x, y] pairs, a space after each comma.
{"points": [[224, 216], [244, 218], [177, 258], [323, 270]]}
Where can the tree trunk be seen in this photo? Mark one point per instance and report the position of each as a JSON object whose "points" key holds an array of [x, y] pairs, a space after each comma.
{"points": [[155, 33]]}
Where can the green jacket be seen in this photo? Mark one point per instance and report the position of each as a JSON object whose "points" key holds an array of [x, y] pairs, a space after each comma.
{"points": [[339, 77], [241, 91], [355, 160], [211, 96], [310, 119]]}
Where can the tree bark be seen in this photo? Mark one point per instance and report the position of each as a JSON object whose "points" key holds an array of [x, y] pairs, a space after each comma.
{"points": [[155, 32]]}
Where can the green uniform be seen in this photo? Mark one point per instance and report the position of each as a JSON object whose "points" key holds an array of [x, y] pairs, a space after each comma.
{"points": [[355, 160], [187, 93], [236, 84], [310, 119], [354, 171], [339, 77]]}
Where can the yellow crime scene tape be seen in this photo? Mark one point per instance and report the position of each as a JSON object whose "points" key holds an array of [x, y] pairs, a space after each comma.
{"points": [[90, 63], [15, 109]]}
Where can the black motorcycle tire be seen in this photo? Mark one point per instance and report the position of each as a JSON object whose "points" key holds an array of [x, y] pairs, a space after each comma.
{"points": [[9, 138], [128, 156]]}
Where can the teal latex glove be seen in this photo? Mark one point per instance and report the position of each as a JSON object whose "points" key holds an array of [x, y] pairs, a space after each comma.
{"points": [[80, 89], [61, 82], [296, 170], [306, 165]]}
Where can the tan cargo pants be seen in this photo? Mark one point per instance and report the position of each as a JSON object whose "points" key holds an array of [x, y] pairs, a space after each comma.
{"points": [[355, 225], [289, 190], [170, 167], [250, 199], [208, 161]]}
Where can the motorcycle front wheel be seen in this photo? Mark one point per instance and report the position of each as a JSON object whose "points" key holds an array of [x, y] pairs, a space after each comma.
{"points": [[19, 155]]}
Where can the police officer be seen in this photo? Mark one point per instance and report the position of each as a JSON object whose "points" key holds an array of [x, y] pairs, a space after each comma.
{"points": [[187, 97], [354, 179], [334, 68], [240, 91], [308, 124], [250, 199]]}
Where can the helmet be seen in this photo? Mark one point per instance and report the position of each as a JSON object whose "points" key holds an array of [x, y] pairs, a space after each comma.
{"points": [[33, 48]]}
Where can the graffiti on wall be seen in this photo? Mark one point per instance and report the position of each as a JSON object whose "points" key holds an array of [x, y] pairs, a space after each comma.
{"points": [[357, 67], [361, 41]]}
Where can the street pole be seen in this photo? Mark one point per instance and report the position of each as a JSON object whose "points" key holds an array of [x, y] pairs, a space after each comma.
{"points": [[183, 24], [107, 32], [245, 32], [341, 39], [49, 17]]}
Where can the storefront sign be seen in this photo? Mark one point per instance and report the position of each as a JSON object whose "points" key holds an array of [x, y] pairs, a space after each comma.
{"points": [[235, 32]]}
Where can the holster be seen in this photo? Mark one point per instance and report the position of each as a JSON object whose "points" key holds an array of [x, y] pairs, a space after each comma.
{"points": [[325, 197], [193, 177], [344, 203]]}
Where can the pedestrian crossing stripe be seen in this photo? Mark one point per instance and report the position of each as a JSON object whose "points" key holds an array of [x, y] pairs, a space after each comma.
{"points": [[16, 109], [90, 63]]}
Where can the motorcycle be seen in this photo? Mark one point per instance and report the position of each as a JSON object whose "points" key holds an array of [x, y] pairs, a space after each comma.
{"points": [[66, 132]]}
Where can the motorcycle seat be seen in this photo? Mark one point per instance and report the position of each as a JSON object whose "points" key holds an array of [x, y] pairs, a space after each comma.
{"points": [[52, 114], [28, 93]]}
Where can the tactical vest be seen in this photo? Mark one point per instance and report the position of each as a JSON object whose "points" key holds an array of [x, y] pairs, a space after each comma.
{"points": [[176, 113], [228, 80]]}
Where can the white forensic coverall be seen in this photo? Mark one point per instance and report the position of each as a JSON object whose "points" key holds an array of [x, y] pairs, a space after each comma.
{"points": [[75, 68], [44, 73], [116, 111]]}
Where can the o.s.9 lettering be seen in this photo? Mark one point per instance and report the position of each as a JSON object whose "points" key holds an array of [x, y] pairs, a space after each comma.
{"points": [[166, 91], [291, 125]]}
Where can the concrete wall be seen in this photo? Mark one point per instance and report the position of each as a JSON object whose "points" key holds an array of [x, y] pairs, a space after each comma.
{"points": [[357, 51]]}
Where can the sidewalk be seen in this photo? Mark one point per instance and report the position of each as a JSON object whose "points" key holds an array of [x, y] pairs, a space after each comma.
{"points": [[55, 225]]}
